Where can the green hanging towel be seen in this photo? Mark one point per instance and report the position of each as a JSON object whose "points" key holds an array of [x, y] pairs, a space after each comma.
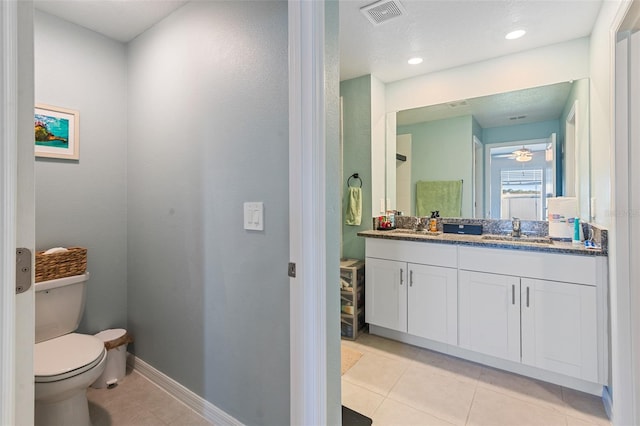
{"points": [[442, 195], [353, 214]]}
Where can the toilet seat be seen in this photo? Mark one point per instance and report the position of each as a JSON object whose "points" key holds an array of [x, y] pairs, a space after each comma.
{"points": [[66, 356]]}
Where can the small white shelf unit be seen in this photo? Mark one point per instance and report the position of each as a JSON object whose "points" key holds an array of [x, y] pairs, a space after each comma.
{"points": [[351, 298]]}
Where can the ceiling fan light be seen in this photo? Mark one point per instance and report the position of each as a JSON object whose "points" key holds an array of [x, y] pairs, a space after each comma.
{"points": [[523, 158], [415, 61]]}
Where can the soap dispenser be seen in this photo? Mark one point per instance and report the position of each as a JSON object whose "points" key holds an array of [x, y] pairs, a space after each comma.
{"points": [[433, 221]]}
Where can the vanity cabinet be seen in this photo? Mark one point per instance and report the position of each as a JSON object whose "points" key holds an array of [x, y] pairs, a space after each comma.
{"points": [[412, 288], [547, 324], [550, 324], [432, 303], [386, 301], [559, 327], [489, 314], [535, 313]]}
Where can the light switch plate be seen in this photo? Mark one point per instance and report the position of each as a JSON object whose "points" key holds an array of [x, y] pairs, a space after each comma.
{"points": [[254, 216]]}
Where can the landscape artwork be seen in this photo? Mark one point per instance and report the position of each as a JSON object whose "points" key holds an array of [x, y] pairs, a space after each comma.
{"points": [[56, 132]]}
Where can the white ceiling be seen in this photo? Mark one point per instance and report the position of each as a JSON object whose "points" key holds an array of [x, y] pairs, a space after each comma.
{"points": [[504, 109], [120, 20], [446, 33], [450, 33]]}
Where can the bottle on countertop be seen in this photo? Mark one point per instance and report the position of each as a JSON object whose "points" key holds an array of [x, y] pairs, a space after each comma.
{"points": [[391, 217], [433, 221], [577, 240]]}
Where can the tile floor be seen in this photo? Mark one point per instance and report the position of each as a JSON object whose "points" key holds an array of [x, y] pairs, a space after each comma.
{"points": [[394, 384], [398, 384], [138, 402]]}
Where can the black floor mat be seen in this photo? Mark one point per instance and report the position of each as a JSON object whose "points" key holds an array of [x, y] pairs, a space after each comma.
{"points": [[352, 418]]}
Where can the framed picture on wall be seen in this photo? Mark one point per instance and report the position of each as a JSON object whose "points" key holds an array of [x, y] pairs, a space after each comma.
{"points": [[56, 132]]}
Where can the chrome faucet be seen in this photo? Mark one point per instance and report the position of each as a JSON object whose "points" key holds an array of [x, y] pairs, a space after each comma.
{"points": [[515, 227]]}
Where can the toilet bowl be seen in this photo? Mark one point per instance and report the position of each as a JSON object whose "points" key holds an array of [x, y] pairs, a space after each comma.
{"points": [[65, 363], [64, 368]]}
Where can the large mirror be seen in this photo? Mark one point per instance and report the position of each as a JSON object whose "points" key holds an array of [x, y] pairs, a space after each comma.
{"points": [[511, 151]]}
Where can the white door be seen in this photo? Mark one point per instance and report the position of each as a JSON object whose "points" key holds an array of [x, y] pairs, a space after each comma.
{"points": [[489, 316], [569, 160], [559, 328], [403, 175], [17, 222], [386, 293], [433, 303], [625, 315], [478, 183]]}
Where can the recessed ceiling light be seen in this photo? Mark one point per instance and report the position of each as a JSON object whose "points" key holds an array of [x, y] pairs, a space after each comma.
{"points": [[415, 61], [515, 34]]}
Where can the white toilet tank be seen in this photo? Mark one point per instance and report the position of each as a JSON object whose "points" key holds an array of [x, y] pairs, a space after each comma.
{"points": [[59, 306]]}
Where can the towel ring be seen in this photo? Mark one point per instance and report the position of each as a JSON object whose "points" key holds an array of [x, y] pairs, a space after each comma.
{"points": [[354, 176]]}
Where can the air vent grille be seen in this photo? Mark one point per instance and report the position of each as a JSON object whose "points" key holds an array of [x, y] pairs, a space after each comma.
{"points": [[458, 104], [383, 11]]}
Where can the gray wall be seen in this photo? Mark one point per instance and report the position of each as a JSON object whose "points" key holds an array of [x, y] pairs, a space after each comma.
{"points": [[83, 203], [332, 94], [208, 110], [356, 152]]}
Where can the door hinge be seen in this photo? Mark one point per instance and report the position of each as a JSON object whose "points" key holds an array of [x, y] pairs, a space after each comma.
{"points": [[292, 269], [23, 270]]}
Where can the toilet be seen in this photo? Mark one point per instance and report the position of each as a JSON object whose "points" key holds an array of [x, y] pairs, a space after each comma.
{"points": [[65, 363]]}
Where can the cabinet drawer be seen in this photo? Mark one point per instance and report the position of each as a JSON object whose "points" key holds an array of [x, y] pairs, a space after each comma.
{"points": [[413, 252], [546, 266]]}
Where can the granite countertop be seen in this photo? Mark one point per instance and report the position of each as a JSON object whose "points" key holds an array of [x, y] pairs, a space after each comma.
{"points": [[485, 240]]}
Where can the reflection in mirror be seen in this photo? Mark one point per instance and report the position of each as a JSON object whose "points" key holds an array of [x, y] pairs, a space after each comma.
{"points": [[456, 140], [520, 178]]}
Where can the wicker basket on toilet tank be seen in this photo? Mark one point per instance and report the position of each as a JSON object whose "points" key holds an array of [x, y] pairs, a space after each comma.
{"points": [[60, 265]]}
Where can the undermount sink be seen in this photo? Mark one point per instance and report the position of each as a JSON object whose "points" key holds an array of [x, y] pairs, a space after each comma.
{"points": [[414, 232], [522, 239]]}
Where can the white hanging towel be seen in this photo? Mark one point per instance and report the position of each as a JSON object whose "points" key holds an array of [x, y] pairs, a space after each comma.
{"points": [[353, 213]]}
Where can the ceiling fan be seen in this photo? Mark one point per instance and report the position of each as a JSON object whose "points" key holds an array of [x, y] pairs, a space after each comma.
{"points": [[521, 155]]}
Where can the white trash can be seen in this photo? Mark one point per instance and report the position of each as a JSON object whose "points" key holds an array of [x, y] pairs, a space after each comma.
{"points": [[115, 341]]}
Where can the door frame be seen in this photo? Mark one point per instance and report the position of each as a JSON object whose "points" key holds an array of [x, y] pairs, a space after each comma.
{"points": [[8, 206], [624, 248], [17, 211], [307, 213]]}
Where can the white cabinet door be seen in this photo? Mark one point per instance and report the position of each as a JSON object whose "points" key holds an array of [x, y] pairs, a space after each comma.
{"points": [[489, 314], [559, 328], [386, 293], [433, 303]]}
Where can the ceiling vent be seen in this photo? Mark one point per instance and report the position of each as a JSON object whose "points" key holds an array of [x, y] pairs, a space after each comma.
{"points": [[458, 104], [383, 11]]}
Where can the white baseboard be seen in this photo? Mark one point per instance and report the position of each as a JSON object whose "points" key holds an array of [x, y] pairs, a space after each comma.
{"points": [[181, 393]]}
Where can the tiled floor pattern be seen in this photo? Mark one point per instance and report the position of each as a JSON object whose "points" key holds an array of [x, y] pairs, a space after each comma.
{"points": [[394, 384], [138, 402], [398, 384]]}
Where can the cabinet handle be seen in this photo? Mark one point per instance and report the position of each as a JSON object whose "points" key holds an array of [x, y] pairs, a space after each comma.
{"points": [[513, 294], [401, 272], [527, 296], [411, 278]]}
